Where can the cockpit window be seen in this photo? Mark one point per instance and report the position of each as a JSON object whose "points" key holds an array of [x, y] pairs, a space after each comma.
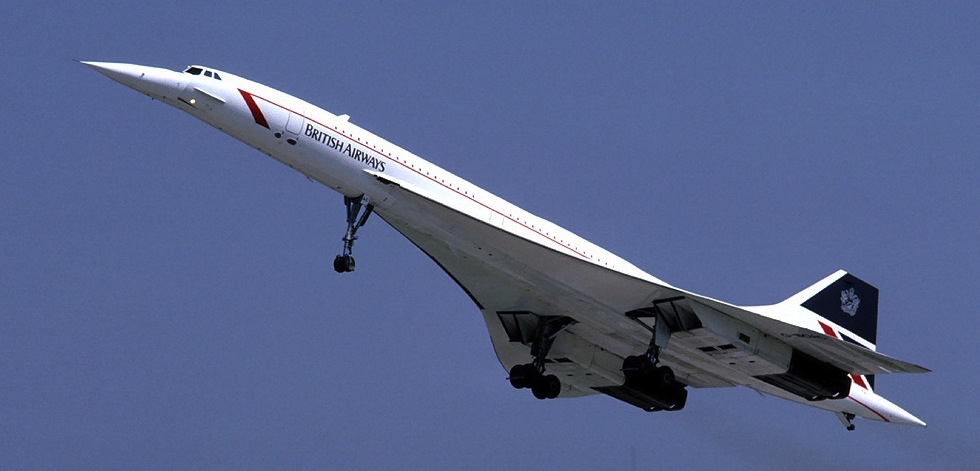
{"points": [[194, 70]]}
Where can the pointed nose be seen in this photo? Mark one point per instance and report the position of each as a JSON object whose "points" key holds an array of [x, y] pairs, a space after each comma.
{"points": [[153, 81], [126, 74]]}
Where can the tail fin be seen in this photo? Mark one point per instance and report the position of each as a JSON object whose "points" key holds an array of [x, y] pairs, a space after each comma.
{"points": [[847, 301]]}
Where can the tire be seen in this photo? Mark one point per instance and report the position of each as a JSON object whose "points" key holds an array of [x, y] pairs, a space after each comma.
{"points": [[633, 370], [343, 263], [632, 364], [552, 386], [539, 389], [519, 377], [665, 376]]}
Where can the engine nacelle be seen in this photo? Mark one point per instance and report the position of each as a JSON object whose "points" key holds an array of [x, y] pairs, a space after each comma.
{"points": [[811, 379]]}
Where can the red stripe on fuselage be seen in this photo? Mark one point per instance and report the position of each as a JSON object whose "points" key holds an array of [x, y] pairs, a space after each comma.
{"points": [[254, 108], [870, 409]]}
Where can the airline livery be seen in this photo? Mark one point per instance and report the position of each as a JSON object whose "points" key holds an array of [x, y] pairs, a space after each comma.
{"points": [[566, 318]]}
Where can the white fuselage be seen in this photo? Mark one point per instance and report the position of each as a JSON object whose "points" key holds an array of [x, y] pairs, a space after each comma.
{"points": [[347, 158]]}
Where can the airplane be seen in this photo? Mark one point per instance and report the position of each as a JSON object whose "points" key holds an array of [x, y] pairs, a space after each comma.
{"points": [[566, 318]]}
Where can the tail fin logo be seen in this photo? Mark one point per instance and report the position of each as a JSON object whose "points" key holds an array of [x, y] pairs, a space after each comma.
{"points": [[849, 301]]}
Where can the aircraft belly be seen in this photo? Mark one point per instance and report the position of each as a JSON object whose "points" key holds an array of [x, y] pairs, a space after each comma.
{"points": [[553, 280], [503, 272], [587, 355]]}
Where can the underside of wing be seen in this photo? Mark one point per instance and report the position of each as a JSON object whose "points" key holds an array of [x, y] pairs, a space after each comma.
{"points": [[514, 281], [595, 320], [849, 356]]}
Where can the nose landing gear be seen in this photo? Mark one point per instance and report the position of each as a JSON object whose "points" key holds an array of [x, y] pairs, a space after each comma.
{"points": [[355, 219]]}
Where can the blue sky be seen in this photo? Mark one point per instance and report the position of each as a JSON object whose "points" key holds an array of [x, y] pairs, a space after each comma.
{"points": [[167, 299]]}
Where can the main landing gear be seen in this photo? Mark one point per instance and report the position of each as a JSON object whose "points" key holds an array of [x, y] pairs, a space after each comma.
{"points": [[355, 219], [661, 389], [529, 375], [651, 385], [532, 375]]}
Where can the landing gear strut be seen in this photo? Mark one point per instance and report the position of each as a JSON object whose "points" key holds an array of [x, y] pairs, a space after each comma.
{"points": [[532, 375], [643, 367], [846, 418], [345, 261]]}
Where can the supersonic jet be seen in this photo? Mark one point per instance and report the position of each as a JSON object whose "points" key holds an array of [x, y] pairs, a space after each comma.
{"points": [[566, 318]]}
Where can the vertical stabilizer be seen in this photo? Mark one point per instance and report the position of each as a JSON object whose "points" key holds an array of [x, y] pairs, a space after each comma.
{"points": [[848, 302]]}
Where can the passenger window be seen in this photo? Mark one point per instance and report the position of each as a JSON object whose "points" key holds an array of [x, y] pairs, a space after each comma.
{"points": [[207, 73]]}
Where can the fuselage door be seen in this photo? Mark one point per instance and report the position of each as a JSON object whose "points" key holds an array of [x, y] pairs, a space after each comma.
{"points": [[294, 123]]}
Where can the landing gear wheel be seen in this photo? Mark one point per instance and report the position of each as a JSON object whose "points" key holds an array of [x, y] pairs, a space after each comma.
{"points": [[343, 263], [546, 387], [665, 376], [552, 386], [522, 376], [636, 368], [846, 418], [633, 364], [538, 390], [656, 388]]}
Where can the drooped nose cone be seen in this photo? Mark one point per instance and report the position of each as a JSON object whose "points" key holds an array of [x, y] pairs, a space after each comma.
{"points": [[158, 83]]}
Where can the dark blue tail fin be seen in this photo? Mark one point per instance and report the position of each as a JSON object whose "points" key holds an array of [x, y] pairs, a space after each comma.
{"points": [[848, 302]]}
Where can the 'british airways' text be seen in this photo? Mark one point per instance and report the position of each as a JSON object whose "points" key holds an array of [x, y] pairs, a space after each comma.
{"points": [[345, 148]]}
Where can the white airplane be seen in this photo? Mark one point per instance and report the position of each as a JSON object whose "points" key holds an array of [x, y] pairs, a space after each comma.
{"points": [[566, 318]]}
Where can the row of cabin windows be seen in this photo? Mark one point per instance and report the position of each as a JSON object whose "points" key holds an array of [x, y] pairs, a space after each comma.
{"points": [[539, 231], [197, 71]]}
